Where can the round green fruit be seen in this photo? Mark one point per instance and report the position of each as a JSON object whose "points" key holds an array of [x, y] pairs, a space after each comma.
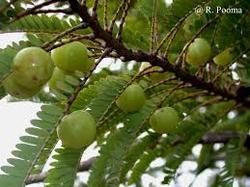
{"points": [[198, 53], [32, 67], [164, 120], [223, 58], [132, 99], [57, 77], [18, 91], [72, 57], [77, 129]]}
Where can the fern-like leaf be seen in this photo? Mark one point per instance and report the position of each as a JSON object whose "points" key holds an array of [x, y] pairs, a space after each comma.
{"points": [[108, 166], [29, 150], [135, 153], [141, 166], [100, 96], [43, 23], [65, 168]]}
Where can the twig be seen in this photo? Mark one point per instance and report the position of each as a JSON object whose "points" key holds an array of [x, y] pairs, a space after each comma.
{"points": [[208, 138], [179, 59], [33, 9], [219, 137], [77, 38], [153, 26], [45, 11], [36, 178], [105, 16], [173, 29], [72, 29], [226, 68], [124, 15], [112, 23], [95, 5], [155, 60], [82, 83]]}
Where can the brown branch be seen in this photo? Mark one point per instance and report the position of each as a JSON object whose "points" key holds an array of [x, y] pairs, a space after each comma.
{"points": [[95, 5], [140, 56], [219, 137], [36, 178], [112, 23], [153, 26], [124, 15], [105, 16], [172, 30], [45, 11], [90, 37], [208, 138], [183, 52], [33, 9], [61, 35]]}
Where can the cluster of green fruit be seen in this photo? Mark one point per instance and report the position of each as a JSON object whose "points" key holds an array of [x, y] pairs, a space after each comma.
{"points": [[163, 120], [78, 129], [199, 52], [33, 67]]}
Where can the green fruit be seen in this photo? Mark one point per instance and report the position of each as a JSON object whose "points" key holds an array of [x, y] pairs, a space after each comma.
{"points": [[198, 53], [223, 58], [164, 120], [77, 129], [18, 91], [155, 77], [57, 77], [32, 68], [132, 99], [72, 57]]}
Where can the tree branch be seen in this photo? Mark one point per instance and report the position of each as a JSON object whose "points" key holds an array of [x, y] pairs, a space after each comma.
{"points": [[45, 11], [220, 137], [208, 138], [36, 178], [33, 9], [140, 56]]}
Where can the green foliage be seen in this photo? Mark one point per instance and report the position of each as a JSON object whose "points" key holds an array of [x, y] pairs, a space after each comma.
{"points": [[31, 147], [127, 144], [7, 54], [141, 166], [135, 153], [108, 166], [44, 23], [205, 159], [64, 168], [68, 158]]}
